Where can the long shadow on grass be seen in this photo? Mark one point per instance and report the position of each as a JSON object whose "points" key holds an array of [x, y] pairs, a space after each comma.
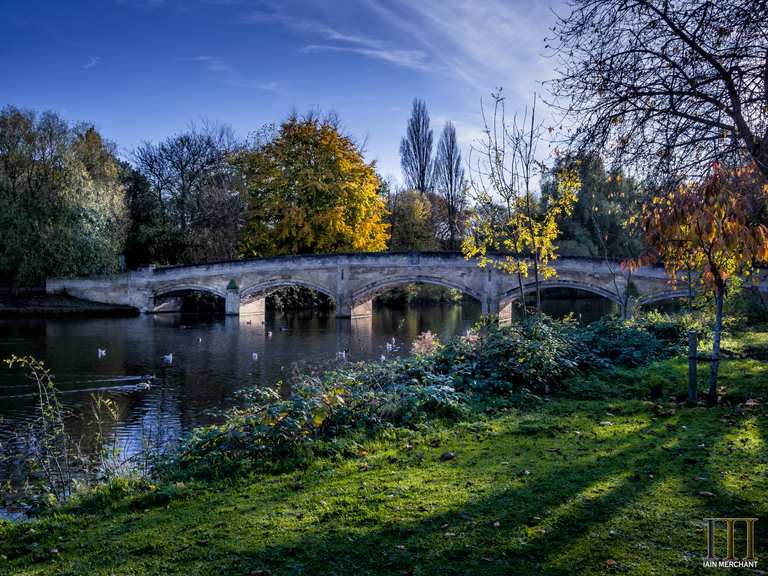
{"points": [[566, 495], [465, 541]]}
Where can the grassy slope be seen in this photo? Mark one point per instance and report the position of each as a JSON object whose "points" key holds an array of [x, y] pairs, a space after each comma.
{"points": [[588, 487]]}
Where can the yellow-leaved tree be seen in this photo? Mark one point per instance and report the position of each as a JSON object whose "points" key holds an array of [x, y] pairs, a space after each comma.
{"points": [[512, 229], [309, 190]]}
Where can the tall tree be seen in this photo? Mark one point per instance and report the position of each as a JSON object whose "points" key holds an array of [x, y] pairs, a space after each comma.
{"points": [[416, 150], [451, 185], [62, 209], [706, 226], [412, 223], [598, 226], [197, 191], [309, 190], [150, 238], [671, 85]]}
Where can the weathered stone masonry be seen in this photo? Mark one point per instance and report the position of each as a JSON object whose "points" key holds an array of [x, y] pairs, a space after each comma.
{"points": [[353, 280]]}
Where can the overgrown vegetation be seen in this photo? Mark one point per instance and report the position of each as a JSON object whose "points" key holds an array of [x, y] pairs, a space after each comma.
{"points": [[452, 461], [529, 360], [47, 466]]}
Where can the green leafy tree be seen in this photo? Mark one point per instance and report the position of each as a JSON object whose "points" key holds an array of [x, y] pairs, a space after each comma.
{"points": [[62, 205], [186, 199], [598, 225], [412, 222], [309, 190]]}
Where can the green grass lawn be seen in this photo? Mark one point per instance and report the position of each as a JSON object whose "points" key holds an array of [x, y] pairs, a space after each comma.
{"points": [[611, 485]]}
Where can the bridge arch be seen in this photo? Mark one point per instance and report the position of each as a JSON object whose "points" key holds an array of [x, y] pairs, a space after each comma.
{"points": [[514, 294], [169, 291], [369, 291], [187, 287], [657, 297], [262, 289]]}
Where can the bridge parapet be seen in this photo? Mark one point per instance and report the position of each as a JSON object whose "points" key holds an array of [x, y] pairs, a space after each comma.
{"points": [[353, 280]]}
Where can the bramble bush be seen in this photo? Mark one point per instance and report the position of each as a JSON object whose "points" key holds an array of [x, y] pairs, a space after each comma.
{"points": [[615, 342]]}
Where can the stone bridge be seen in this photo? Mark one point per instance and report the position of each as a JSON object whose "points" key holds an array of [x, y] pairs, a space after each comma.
{"points": [[353, 280]]}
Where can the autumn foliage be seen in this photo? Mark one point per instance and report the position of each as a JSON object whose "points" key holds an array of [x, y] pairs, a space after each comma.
{"points": [[525, 230], [309, 190], [710, 228]]}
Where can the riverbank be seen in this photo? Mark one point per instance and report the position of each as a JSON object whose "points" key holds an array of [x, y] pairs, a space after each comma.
{"points": [[594, 479], [54, 305]]}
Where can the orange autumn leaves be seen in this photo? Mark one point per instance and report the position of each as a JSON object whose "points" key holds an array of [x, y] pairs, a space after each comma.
{"points": [[711, 227], [310, 191]]}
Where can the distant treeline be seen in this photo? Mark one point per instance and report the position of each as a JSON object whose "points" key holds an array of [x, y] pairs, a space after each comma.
{"points": [[70, 206]]}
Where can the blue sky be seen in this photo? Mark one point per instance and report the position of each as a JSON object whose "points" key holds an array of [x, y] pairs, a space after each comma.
{"points": [[144, 69]]}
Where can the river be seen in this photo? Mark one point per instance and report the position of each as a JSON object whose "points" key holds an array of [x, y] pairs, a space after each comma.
{"points": [[213, 358]]}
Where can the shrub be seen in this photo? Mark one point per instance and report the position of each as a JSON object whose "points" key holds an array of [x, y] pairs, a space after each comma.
{"points": [[277, 433], [425, 343], [632, 342], [531, 356], [748, 305]]}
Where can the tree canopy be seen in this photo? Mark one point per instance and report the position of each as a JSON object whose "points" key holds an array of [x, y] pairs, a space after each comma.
{"points": [[669, 85], [185, 198], [707, 227], [416, 150], [309, 190], [62, 206], [450, 188], [411, 223]]}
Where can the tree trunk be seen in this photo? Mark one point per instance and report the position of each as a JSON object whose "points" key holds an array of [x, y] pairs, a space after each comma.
{"points": [[761, 158], [522, 294], [538, 285], [690, 292], [715, 364]]}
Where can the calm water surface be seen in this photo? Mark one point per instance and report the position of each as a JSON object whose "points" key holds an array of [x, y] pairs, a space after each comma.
{"points": [[212, 359]]}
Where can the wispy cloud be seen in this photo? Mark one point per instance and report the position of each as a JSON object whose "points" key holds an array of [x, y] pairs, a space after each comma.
{"points": [[93, 61], [363, 45], [468, 130], [221, 71], [211, 64], [414, 59], [308, 26], [483, 44]]}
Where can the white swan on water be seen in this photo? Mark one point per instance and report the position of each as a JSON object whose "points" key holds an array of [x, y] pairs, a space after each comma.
{"points": [[255, 356], [168, 358], [100, 353]]}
